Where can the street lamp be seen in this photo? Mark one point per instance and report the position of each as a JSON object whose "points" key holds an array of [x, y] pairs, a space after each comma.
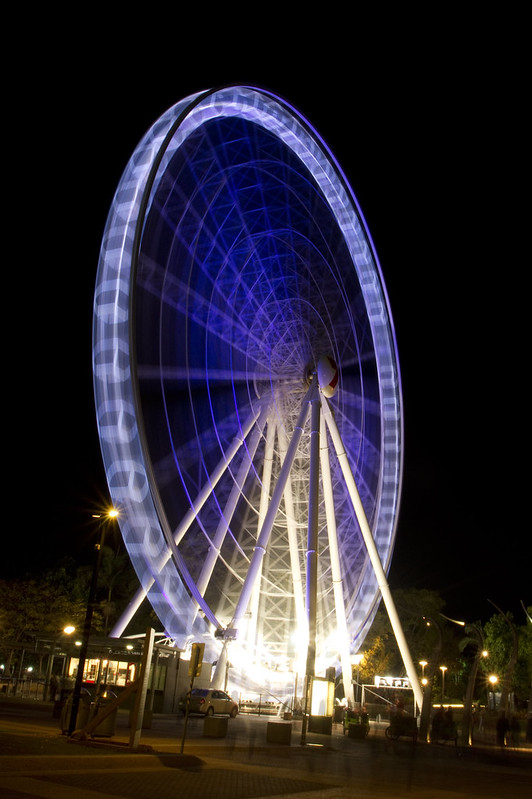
{"points": [[111, 514], [493, 679], [424, 680], [68, 630], [443, 670]]}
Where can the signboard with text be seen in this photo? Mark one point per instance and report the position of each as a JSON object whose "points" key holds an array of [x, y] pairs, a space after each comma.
{"points": [[392, 682]]}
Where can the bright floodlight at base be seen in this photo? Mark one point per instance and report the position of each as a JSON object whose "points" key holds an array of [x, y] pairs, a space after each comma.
{"points": [[235, 267]]}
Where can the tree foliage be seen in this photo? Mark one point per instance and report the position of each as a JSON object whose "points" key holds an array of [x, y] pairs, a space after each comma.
{"points": [[499, 634], [436, 639], [45, 603], [417, 610], [36, 605]]}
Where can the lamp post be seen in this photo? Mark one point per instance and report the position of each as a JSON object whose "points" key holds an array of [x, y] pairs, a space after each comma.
{"points": [[435, 654], [467, 718], [467, 723], [68, 630], [111, 514], [424, 680], [493, 679], [443, 670]]}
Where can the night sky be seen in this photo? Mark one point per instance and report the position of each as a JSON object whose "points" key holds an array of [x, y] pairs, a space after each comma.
{"points": [[431, 138]]}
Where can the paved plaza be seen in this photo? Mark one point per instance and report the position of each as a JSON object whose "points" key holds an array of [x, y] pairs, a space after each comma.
{"points": [[37, 760]]}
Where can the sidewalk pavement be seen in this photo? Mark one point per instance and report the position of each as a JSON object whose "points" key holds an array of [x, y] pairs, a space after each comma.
{"points": [[36, 760]]}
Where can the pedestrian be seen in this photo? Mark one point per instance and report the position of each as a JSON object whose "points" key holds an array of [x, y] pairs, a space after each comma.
{"points": [[502, 729], [53, 688], [436, 732], [448, 726]]}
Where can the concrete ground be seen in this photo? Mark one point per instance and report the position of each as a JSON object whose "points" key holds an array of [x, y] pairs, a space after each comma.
{"points": [[37, 760]]}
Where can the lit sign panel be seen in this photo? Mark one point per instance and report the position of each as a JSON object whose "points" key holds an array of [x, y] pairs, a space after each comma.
{"points": [[392, 682]]}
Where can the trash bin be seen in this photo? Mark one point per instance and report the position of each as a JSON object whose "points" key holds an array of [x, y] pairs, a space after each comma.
{"points": [[321, 724], [106, 728], [215, 726], [278, 732], [82, 717], [339, 713]]}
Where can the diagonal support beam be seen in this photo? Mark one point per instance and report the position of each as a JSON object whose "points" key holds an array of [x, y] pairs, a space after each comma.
{"points": [[336, 571], [229, 508], [253, 630], [264, 536], [188, 518], [372, 551], [312, 553], [297, 579]]}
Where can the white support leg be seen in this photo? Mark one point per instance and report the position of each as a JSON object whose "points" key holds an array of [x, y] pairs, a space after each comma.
{"points": [[229, 509], [264, 536], [312, 556], [336, 572], [312, 535], [373, 553], [267, 467], [297, 579]]}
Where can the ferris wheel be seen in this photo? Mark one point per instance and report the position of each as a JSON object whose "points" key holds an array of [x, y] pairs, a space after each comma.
{"points": [[246, 383]]}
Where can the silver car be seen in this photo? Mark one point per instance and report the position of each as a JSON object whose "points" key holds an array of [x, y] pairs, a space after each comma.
{"points": [[209, 701]]}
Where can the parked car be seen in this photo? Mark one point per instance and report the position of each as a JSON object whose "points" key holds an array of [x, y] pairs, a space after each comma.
{"points": [[208, 701]]}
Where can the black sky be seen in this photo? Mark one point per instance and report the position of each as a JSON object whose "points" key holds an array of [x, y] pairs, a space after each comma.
{"points": [[431, 136]]}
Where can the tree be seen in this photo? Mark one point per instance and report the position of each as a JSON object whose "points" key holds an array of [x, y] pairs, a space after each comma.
{"points": [[35, 605], [523, 670], [509, 655], [377, 659], [473, 641], [417, 608]]}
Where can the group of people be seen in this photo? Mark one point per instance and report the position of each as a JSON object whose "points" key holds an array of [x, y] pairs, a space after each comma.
{"points": [[443, 726], [357, 714], [508, 730]]}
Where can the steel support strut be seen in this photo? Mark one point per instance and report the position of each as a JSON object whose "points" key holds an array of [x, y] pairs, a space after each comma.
{"points": [[372, 552], [336, 572], [312, 554], [188, 518]]}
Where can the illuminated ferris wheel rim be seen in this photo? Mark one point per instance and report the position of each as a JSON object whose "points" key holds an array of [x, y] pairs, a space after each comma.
{"points": [[114, 356]]}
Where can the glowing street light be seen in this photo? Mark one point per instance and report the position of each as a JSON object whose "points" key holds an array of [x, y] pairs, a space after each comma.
{"points": [[110, 514], [423, 663], [424, 680], [443, 670], [67, 630], [493, 680]]}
